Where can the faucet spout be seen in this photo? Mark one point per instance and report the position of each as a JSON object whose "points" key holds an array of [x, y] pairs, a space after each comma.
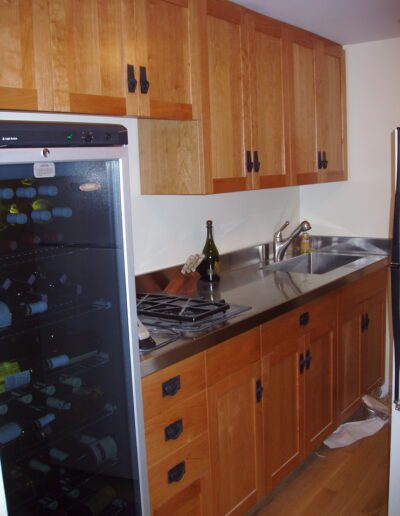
{"points": [[281, 245]]}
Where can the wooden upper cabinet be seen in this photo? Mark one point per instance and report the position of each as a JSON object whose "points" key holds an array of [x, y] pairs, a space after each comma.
{"points": [[87, 56], [302, 59], [317, 112], [267, 86], [331, 99], [229, 118], [25, 67], [167, 56]]}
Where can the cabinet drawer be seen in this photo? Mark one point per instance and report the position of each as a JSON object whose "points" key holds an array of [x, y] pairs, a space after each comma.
{"points": [[299, 322], [232, 355], [164, 389], [171, 475], [176, 427], [362, 289]]}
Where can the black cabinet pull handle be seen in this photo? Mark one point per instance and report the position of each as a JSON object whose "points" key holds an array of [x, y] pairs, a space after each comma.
{"points": [[308, 359], [320, 162], [257, 162], [367, 320], [259, 391], [176, 473], [249, 163], [324, 160], [144, 83], [363, 328], [132, 82], [171, 386], [302, 363], [304, 319], [174, 430]]}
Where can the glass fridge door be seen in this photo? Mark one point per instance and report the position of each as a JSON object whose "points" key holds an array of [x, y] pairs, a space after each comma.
{"points": [[68, 436]]}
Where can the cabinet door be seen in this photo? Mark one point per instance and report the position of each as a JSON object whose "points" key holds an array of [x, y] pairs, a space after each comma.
{"points": [[166, 36], [331, 135], [282, 410], [373, 347], [267, 84], [25, 67], [229, 118], [87, 58], [319, 375], [236, 441], [349, 355], [302, 70]]}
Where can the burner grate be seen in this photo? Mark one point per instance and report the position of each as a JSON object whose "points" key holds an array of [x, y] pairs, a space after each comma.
{"points": [[178, 308]]}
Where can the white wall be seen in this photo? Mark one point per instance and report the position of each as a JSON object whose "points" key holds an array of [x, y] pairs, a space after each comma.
{"points": [[169, 228], [361, 206]]}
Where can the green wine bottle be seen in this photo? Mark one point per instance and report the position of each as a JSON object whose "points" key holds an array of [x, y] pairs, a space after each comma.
{"points": [[210, 265]]}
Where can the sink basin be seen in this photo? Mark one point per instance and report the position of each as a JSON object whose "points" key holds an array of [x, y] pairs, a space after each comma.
{"points": [[314, 263]]}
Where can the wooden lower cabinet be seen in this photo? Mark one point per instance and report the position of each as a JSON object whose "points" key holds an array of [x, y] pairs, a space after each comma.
{"points": [[299, 379], [361, 340], [245, 413], [319, 394], [373, 346], [235, 441], [282, 413], [233, 374]]}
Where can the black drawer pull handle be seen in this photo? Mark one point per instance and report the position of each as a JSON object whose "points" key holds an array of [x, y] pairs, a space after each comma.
{"points": [[320, 160], [367, 321], [302, 363], [171, 386], [144, 83], [249, 163], [257, 162], [324, 160], [308, 359], [176, 473], [304, 319], [132, 82], [174, 430], [259, 391]]}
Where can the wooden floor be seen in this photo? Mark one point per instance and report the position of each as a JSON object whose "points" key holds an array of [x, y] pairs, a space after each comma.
{"points": [[349, 481]]}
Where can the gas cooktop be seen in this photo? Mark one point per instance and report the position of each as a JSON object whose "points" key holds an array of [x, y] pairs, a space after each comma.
{"points": [[168, 317]]}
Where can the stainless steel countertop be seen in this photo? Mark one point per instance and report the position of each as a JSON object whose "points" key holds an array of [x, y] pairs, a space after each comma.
{"points": [[269, 293]]}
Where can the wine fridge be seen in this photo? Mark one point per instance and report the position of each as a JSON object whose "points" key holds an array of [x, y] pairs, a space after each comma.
{"points": [[71, 423]]}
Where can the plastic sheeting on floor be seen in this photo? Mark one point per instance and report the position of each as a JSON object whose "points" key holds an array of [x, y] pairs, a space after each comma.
{"points": [[349, 433]]}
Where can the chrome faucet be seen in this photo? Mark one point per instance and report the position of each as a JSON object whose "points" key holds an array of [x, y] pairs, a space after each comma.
{"points": [[281, 245]]}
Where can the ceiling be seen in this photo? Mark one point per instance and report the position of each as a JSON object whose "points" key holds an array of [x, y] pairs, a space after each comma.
{"points": [[343, 21]]}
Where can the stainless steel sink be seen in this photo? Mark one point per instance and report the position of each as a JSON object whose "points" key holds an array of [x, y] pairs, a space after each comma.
{"points": [[313, 263]]}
